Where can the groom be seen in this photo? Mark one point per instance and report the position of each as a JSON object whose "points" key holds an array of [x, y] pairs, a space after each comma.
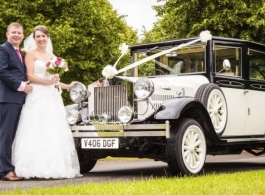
{"points": [[13, 89]]}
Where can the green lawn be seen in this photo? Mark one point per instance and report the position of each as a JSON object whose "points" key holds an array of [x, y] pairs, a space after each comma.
{"points": [[241, 183]]}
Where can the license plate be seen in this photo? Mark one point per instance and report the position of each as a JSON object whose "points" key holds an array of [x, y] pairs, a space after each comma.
{"points": [[100, 143]]}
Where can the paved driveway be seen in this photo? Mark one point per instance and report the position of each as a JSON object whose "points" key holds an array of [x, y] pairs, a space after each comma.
{"points": [[117, 170]]}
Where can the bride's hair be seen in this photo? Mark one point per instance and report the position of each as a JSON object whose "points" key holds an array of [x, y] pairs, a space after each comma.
{"points": [[30, 44], [42, 29]]}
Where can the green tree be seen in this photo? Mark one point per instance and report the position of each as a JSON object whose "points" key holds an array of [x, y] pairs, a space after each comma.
{"points": [[243, 19], [87, 33]]}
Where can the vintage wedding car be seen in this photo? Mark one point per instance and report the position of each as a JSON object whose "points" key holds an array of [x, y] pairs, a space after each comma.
{"points": [[185, 99]]}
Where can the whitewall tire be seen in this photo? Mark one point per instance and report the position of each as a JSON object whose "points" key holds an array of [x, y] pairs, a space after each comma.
{"points": [[212, 97], [186, 148]]}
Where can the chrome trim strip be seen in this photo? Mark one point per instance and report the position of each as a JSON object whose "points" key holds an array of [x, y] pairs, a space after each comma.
{"points": [[145, 134], [120, 134], [167, 130], [230, 83], [97, 127], [119, 127], [244, 139], [257, 86], [97, 134], [223, 82], [237, 84], [145, 126], [137, 130]]}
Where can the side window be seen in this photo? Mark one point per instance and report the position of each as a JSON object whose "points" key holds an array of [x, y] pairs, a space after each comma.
{"points": [[191, 59], [256, 64], [233, 54]]}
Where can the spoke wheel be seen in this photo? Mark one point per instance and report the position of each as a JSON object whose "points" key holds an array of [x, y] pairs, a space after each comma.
{"points": [[213, 99], [216, 107], [193, 149], [186, 148]]}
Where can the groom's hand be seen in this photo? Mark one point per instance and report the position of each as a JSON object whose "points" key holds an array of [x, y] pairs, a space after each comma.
{"points": [[28, 88]]}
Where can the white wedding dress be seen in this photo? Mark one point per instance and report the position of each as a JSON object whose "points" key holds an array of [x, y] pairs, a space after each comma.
{"points": [[43, 145]]}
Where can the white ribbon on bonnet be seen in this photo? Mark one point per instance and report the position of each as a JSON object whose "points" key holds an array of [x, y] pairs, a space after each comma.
{"points": [[110, 71]]}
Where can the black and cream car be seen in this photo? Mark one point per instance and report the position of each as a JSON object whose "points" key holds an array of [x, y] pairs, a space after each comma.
{"points": [[199, 99]]}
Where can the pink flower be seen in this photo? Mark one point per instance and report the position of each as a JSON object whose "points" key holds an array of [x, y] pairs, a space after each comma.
{"points": [[58, 62], [56, 65]]}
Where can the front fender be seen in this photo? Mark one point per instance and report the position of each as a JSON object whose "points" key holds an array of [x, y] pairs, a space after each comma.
{"points": [[191, 108], [173, 108], [71, 106]]}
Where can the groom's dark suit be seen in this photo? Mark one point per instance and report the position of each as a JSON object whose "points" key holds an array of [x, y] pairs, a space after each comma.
{"points": [[12, 73]]}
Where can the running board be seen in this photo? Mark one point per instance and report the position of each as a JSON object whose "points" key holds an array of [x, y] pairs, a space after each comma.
{"points": [[250, 139]]}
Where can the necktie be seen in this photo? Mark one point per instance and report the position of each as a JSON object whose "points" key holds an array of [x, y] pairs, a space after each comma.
{"points": [[19, 54]]}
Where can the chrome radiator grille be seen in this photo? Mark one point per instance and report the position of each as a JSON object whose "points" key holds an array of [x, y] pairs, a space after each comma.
{"points": [[109, 100]]}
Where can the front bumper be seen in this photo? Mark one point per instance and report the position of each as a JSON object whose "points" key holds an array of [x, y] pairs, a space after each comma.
{"points": [[133, 130]]}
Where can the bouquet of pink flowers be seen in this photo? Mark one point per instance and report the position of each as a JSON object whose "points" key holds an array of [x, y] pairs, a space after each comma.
{"points": [[57, 65]]}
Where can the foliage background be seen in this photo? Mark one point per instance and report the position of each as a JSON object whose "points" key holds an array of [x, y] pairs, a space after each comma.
{"points": [[243, 19], [87, 33]]}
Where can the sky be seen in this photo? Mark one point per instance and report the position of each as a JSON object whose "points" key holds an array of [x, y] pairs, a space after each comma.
{"points": [[139, 12]]}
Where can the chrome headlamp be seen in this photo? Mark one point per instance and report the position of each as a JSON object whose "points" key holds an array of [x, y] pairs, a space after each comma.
{"points": [[73, 116], [143, 88], [125, 114], [78, 93]]}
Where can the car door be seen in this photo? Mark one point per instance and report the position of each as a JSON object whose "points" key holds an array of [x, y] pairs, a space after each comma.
{"points": [[255, 120], [233, 85]]}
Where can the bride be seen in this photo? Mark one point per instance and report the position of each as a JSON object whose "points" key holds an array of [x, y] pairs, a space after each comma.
{"points": [[43, 146]]}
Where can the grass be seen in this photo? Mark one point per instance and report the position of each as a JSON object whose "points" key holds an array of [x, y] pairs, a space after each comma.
{"points": [[240, 183]]}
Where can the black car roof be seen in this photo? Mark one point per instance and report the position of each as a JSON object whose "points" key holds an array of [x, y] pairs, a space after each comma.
{"points": [[174, 42]]}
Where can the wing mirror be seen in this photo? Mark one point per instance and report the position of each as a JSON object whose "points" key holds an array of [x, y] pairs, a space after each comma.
{"points": [[226, 65]]}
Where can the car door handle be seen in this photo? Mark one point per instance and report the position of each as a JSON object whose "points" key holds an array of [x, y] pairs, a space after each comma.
{"points": [[165, 88]]}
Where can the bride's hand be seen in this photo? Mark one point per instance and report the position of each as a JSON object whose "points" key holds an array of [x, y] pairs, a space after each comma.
{"points": [[72, 84], [55, 79]]}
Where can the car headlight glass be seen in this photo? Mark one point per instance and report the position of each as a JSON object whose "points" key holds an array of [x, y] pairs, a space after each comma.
{"points": [[125, 114], [78, 93], [73, 116], [143, 88]]}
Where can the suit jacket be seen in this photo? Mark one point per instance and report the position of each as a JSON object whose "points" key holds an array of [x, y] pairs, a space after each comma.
{"points": [[12, 72]]}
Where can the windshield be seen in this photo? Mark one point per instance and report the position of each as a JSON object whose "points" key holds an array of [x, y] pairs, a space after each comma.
{"points": [[189, 59]]}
